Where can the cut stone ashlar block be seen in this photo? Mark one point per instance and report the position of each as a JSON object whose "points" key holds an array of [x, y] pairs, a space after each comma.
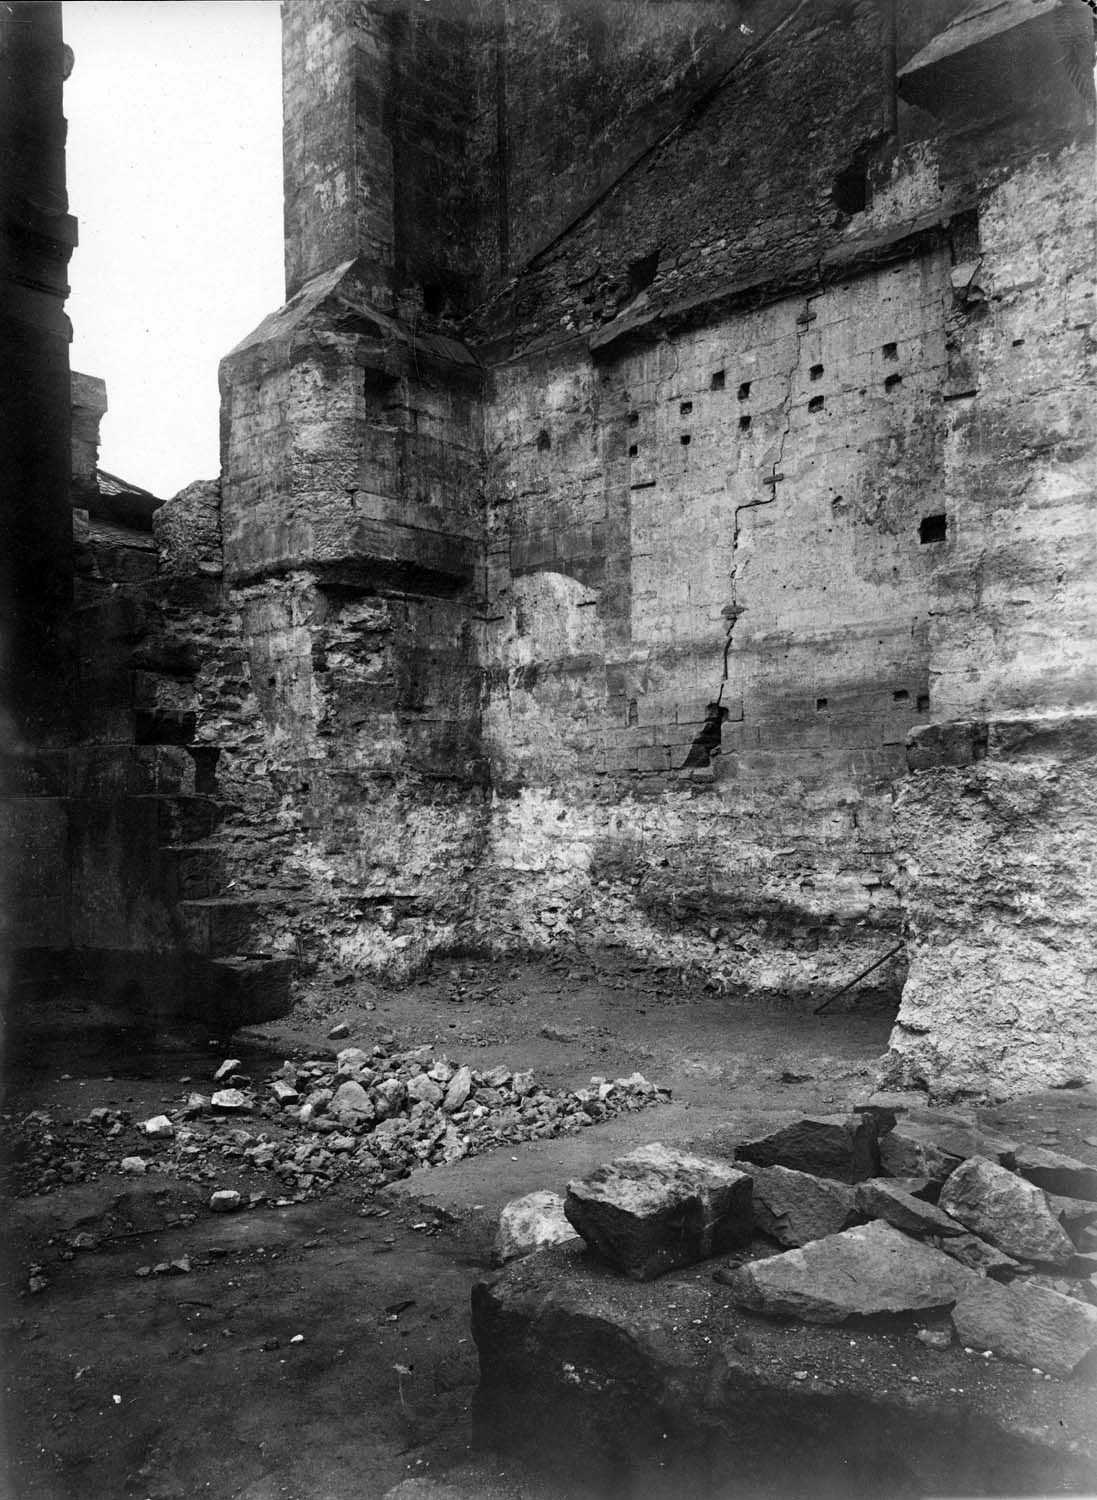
{"points": [[657, 1208], [842, 1147], [865, 1271], [1006, 1211]]}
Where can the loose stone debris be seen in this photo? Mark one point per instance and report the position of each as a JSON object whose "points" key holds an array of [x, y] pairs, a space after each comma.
{"points": [[367, 1117]]}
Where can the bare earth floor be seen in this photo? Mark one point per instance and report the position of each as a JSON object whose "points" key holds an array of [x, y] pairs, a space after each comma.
{"points": [[191, 1383]]}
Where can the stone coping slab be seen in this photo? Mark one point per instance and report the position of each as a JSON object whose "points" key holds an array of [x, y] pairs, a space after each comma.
{"points": [[602, 1378]]}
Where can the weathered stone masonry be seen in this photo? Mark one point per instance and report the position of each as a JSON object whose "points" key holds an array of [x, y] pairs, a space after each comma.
{"points": [[660, 516], [602, 527]]}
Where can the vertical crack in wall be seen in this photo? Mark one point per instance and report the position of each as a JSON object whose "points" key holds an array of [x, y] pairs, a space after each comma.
{"points": [[707, 742]]}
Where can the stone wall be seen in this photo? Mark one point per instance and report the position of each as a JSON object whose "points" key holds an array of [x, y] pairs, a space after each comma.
{"points": [[674, 408]]}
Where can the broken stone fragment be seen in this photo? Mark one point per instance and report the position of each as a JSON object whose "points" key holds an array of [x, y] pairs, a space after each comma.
{"points": [[529, 1223], [935, 1338], [229, 1066], [351, 1105], [460, 1086], [389, 1096], [870, 1269], [159, 1127], [225, 1201], [1055, 1173], [424, 1089], [196, 1105], [658, 1208], [879, 1198], [794, 1208], [351, 1061], [523, 1084], [231, 1101], [976, 1254], [1005, 1210], [284, 1093], [135, 1165], [341, 1029], [1028, 1324], [842, 1147]]}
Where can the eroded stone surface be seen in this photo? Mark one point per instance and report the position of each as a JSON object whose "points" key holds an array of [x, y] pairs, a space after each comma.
{"points": [[1006, 1211], [658, 1208], [870, 1269]]}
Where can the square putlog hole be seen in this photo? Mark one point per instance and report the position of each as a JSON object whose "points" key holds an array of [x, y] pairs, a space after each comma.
{"points": [[933, 529]]}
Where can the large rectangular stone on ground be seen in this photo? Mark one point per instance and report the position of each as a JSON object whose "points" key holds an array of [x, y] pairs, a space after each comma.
{"points": [[656, 1209]]}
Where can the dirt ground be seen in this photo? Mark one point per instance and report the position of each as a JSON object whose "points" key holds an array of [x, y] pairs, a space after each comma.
{"points": [[321, 1350]]}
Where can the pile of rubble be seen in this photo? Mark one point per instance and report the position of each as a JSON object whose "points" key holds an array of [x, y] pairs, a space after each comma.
{"points": [[895, 1212], [366, 1118]]}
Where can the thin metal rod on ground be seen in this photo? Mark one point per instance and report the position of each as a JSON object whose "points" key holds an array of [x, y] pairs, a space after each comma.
{"points": [[863, 975]]}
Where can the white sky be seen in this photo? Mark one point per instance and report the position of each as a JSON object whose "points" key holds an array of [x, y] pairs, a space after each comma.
{"points": [[175, 176]]}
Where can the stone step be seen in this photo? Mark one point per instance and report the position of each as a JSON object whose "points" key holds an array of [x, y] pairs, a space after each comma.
{"points": [[249, 990], [222, 926], [193, 871], [611, 1382]]}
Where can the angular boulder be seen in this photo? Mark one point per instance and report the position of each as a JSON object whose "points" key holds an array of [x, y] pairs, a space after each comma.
{"points": [[842, 1147], [881, 1199], [1055, 1173], [460, 1086], [1029, 1324], [350, 1104], [871, 1269], [794, 1208], [530, 1223], [658, 1208], [1005, 1210]]}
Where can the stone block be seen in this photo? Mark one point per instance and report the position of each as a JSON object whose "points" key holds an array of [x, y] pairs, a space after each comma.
{"points": [[842, 1147], [1055, 1173], [871, 1269], [881, 1199], [1008, 1212], [794, 1208], [1028, 1324], [656, 1209]]}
